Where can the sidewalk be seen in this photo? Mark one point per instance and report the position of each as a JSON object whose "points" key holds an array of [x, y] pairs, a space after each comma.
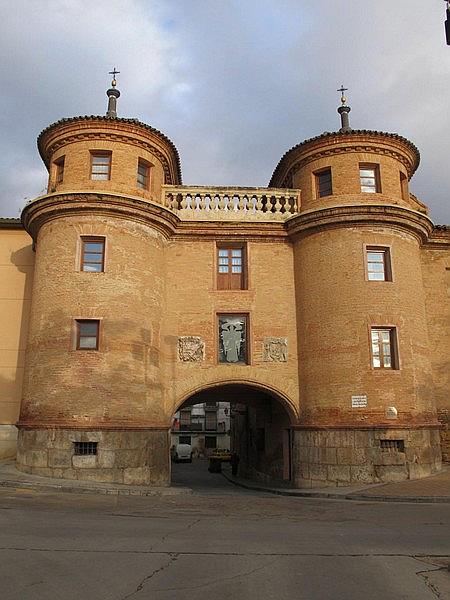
{"points": [[435, 488], [10, 477]]}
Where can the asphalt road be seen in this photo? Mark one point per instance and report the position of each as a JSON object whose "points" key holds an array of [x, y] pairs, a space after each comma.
{"points": [[221, 542]]}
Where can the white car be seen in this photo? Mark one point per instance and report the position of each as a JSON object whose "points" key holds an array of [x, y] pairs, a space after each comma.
{"points": [[182, 453]]}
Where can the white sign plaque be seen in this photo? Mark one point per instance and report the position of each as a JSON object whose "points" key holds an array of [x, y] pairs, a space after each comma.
{"points": [[359, 401]]}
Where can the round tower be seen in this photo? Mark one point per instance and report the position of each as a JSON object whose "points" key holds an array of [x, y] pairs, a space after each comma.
{"points": [[93, 366], [367, 408]]}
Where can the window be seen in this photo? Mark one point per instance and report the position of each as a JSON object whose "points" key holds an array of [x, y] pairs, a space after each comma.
{"points": [[392, 445], [85, 448], [184, 439], [92, 254], [100, 166], [232, 339], [323, 183], [384, 348], [143, 174], [59, 174], [185, 419], [210, 420], [210, 442], [87, 334], [404, 186], [378, 264], [369, 176], [231, 267]]}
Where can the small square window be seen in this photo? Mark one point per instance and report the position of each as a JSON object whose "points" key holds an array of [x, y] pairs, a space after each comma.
{"points": [[369, 176], [100, 166], [85, 448], [324, 185], [143, 174], [92, 254], [378, 263], [233, 339], [384, 348], [59, 173], [87, 334], [231, 267]]}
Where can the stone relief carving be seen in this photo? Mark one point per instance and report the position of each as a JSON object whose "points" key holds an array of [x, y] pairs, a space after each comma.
{"points": [[275, 349], [191, 348]]}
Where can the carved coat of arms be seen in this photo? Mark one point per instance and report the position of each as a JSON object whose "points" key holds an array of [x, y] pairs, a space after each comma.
{"points": [[191, 348], [275, 349]]}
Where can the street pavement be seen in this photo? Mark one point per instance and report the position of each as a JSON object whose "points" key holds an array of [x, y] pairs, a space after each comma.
{"points": [[219, 541]]}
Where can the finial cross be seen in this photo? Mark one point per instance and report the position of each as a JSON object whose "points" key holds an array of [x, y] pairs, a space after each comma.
{"points": [[114, 73], [342, 89]]}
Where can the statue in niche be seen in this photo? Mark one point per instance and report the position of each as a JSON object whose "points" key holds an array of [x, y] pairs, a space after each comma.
{"points": [[191, 348], [275, 349], [232, 339]]}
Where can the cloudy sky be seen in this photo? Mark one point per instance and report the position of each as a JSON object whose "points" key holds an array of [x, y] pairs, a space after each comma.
{"points": [[233, 83]]}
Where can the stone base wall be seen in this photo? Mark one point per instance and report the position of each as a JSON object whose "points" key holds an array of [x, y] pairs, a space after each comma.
{"points": [[341, 457], [444, 418], [127, 456], [8, 441]]}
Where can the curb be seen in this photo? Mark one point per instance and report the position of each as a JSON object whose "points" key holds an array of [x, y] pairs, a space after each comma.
{"points": [[335, 496], [113, 491]]}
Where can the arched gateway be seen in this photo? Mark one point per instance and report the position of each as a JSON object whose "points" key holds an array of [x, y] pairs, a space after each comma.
{"points": [[260, 428]]}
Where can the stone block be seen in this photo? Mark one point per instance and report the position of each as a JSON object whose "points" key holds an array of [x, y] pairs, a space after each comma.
{"points": [[101, 475], [130, 458], [364, 439], [37, 458], [392, 458], [59, 458], [106, 458], [8, 433], [391, 473], [416, 471], [344, 456], [318, 472], [362, 474], [339, 473], [84, 462], [327, 456], [137, 476]]}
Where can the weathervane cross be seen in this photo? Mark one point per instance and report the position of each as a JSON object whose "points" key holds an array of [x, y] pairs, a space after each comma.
{"points": [[342, 89]]}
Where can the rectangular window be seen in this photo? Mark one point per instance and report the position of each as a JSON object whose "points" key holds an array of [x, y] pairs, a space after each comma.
{"points": [[231, 267], [210, 421], [184, 439], [85, 448], [378, 264], [404, 186], [100, 166], [323, 183], [185, 419], [233, 339], [92, 254], [369, 176], [384, 348], [87, 334], [59, 174], [143, 174]]}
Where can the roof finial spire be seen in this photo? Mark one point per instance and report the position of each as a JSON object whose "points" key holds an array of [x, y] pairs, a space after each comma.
{"points": [[343, 110], [112, 94]]}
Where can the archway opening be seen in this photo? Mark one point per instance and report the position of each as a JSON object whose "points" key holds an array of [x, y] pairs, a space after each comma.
{"points": [[251, 422]]}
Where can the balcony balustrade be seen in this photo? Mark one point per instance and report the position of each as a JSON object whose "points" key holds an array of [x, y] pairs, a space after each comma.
{"points": [[203, 203]]}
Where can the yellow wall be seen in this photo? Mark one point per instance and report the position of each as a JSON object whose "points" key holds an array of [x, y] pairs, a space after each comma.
{"points": [[16, 274]]}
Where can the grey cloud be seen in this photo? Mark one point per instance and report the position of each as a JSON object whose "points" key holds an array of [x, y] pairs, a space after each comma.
{"points": [[233, 84]]}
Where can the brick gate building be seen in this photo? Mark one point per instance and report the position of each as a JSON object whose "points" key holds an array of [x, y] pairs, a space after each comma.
{"points": [[319, 307]]}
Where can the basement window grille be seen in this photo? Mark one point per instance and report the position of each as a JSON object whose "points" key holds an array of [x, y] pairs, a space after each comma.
{"points": [[392, 445], [85, 448]]}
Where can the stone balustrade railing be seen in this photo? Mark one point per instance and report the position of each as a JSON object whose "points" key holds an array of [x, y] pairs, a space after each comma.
{"points": [[234, 204]]}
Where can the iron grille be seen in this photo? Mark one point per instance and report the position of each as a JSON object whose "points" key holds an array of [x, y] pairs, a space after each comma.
{"points": [[392, 445], [85, 448]]}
